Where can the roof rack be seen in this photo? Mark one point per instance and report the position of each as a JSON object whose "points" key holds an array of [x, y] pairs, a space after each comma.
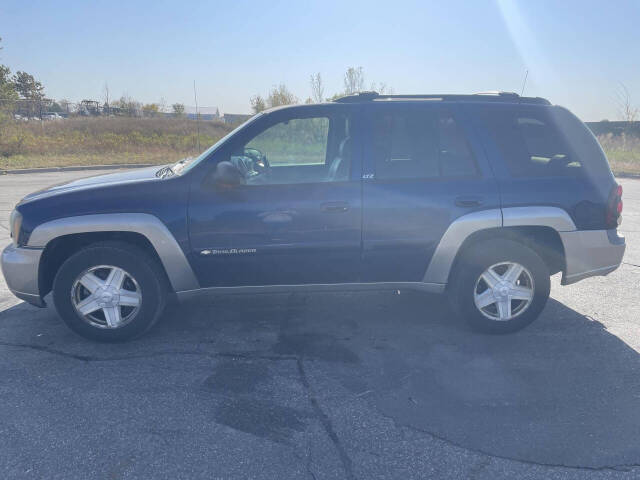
{"points": [[478, 97], [358, 97]]}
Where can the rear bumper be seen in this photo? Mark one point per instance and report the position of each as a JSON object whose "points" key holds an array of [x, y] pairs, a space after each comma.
{"points": [[20, 269], [590, 253]]}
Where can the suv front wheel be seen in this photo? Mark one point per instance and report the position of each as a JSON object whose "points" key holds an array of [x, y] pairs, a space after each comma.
{"points": [[109, 292], [499, 286]]}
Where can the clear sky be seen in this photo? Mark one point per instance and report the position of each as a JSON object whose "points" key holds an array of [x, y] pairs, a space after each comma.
{"points": [[577, 52]]}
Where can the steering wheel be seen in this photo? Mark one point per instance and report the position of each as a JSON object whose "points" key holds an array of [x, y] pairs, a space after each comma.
{"points": [[259, 159]]}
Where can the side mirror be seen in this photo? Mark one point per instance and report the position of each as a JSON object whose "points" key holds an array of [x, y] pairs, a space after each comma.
{"points": [[227, 175]]}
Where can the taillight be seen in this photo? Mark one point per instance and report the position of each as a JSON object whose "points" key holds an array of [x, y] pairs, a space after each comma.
{"points": [[614, 207]]}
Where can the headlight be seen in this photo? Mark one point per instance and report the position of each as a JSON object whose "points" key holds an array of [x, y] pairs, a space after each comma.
{"points": [[15, 222]]}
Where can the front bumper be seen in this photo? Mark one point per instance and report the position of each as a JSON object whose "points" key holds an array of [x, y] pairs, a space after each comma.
{"points": [[20, 268], [591, 252]]}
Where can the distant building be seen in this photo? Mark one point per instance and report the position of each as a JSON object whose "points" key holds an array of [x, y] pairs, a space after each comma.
{"points": [[206, 113], [235, 118], [203, 116]]}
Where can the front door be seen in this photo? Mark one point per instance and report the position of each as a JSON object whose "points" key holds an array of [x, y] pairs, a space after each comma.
{"points": [[296, 219], [423, 168]]}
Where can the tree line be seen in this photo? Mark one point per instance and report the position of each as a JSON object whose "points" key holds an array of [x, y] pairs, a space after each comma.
{"points": [[353, 82], [22, 94], [20, 86]]}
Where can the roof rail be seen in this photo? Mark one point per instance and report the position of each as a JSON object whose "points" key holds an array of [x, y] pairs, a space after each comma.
{"points": [[499, 93], [358, 97], [478, 97]]}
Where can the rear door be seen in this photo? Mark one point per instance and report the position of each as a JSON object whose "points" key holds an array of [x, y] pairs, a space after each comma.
{"points": [[423, 168]]}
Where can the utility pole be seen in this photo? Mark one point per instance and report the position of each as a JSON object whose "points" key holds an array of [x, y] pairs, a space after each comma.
{"points": [[195, 98]]}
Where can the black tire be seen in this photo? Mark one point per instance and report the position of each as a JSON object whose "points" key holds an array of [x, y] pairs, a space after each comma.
{"points": [[135, 261], [476, 260]]}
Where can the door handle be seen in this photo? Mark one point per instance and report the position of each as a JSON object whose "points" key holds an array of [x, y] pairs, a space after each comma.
{"points": [[335, 207], [469, 202]]}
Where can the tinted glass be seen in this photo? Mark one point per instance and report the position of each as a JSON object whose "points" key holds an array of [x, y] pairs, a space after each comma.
{"points": [[531, 142], [582, 142], [419, 144]]}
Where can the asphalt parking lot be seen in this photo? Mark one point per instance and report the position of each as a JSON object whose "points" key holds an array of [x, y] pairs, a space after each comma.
{"points": [[371, 385]]}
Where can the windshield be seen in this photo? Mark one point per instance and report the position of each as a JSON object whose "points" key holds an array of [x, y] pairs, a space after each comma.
{"points": [[183, 166]]}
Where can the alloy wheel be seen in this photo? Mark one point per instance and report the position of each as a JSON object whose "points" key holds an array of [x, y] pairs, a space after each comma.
{"points": [[106, 296], [504, 291]]}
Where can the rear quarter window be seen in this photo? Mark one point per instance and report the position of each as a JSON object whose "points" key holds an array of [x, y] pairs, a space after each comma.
{"points": [[544, 142]]}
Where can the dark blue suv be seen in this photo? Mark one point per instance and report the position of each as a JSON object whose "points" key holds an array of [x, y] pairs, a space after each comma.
{"points": [[482, 197]]}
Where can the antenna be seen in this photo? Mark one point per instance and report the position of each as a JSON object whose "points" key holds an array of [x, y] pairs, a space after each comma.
{"points": [[526, 74], [195, 98]]}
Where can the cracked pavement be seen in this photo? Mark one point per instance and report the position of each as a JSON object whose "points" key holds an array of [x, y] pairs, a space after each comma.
{"points": [[360, 385]]}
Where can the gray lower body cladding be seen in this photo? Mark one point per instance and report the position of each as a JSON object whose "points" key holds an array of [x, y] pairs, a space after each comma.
{"points": [[587, 253], [590, 253], [20, 269]]}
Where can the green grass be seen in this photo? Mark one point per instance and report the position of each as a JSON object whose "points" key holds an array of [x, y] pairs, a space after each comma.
{"points": [[99, 141], [625, 163], [623, 153]]}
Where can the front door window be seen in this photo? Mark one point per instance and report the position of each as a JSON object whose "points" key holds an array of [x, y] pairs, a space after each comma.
{"points": [[299, 150]]}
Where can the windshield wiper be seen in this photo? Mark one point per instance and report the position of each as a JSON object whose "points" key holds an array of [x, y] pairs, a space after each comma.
{"points": [[174, 169], [165, 171]]}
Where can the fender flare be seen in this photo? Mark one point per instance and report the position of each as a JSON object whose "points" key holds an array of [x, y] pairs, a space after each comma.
{"points": [[460, 229], [554, 217], [171, 255]]}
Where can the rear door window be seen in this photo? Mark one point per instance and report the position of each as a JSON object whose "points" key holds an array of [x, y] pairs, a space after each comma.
{"points": [[419, 143]]}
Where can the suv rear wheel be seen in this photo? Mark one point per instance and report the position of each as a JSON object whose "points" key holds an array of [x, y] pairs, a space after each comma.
{"points": [[109, 292], [499, 286]]}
